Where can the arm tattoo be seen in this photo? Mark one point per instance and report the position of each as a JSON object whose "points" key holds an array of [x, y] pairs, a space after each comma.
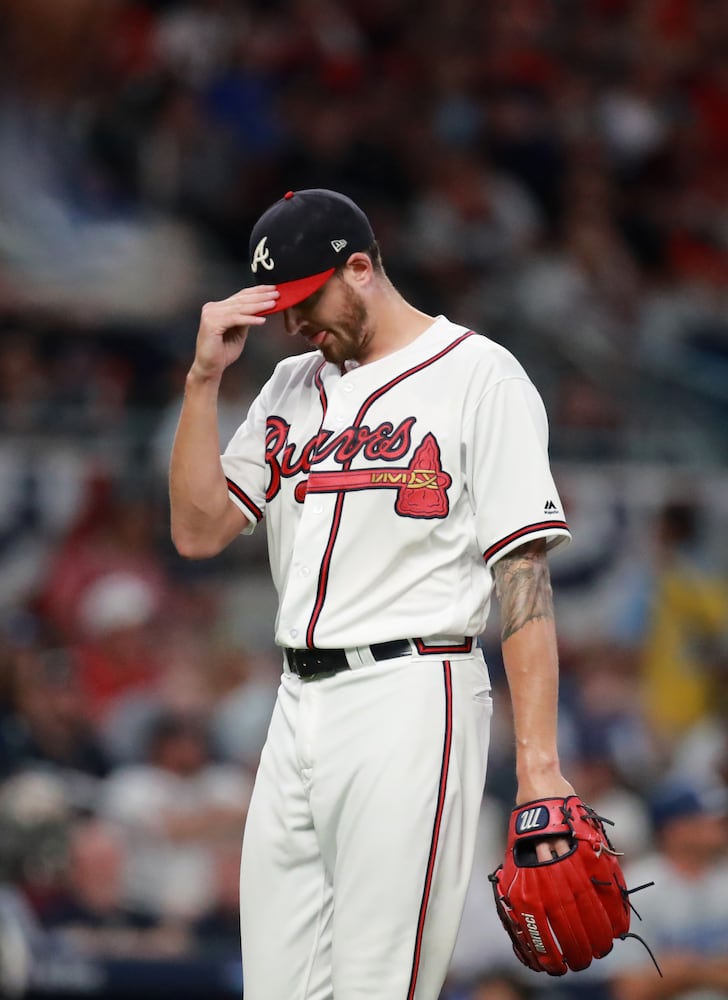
{"points": [[523, 587]]}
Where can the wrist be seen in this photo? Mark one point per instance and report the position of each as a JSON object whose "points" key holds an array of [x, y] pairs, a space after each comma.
{"points": [[200, 377], [536, 764], [540, 778]]}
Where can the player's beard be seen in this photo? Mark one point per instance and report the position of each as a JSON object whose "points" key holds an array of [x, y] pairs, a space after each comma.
{"points": [[348, 339]]}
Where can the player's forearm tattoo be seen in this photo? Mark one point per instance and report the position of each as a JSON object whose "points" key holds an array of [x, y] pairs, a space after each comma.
{"points": [[523, 587]]}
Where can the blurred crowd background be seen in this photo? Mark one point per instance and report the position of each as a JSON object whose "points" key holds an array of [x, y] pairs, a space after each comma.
{"points": [[552, 173]]}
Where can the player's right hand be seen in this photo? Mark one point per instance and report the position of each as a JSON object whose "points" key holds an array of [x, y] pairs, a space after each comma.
{"points": [[224, 328]]}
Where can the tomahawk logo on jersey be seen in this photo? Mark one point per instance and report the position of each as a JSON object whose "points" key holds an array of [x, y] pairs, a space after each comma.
{"points": [[420, 486], [323, 452]]}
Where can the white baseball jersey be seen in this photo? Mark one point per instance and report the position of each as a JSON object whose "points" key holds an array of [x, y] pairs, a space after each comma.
{"points": [[390, 489]]}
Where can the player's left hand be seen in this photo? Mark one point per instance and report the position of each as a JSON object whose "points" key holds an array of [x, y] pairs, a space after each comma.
{"points": [[556, 787], [564, 910]]}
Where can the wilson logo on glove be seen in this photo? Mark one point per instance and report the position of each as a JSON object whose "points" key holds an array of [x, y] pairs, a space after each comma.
{"points": [[562, 913]]}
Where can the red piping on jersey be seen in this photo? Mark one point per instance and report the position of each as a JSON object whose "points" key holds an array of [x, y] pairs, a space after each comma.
{"points": [[326, 563], [434, 841], [410, 371], [528, 529], [322, 583], [324, 572], [244, 499], [318, 381]]}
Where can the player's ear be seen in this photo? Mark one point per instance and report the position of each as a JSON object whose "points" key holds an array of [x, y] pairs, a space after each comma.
{"points": [[359, 268]]}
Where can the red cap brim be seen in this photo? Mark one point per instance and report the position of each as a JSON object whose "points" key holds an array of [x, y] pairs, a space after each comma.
{"points": [[293, 292]]}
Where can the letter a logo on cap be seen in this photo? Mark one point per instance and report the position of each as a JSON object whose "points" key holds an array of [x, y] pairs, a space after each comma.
{"points": [[262, 256]]}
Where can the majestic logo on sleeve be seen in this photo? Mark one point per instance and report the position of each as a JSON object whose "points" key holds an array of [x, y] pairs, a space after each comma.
{"points": [[420, 486], [262, 257]]}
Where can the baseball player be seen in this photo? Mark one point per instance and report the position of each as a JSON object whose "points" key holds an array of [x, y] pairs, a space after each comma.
{"points": [[400, 466]]}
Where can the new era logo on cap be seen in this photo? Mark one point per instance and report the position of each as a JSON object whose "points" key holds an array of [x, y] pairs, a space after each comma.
{"points": [[299, 242]]}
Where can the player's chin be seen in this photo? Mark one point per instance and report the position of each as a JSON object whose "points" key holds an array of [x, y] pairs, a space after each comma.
{"points": [[332, 350], [337, 349]]}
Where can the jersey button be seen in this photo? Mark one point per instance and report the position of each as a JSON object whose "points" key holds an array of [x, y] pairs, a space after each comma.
{"points": [[305, 571], [347, 386], [293, 633]]}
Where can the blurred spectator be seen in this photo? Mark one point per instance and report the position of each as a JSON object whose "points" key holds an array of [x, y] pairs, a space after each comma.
{"points": [[702, 753], [19, 931], [183, 685], [90, 911], [246, 687], [603, 725], [24, 386], [482, 945], [686, 623], [593, 769], [192, 40], [467, 220], [35, 819], [105, 589], [42, 478], [582, 291], [217, 931], [685, 914], [177, 810], [236, 395], [635, 115], [498, 985], [47, 723], [112, 545]]}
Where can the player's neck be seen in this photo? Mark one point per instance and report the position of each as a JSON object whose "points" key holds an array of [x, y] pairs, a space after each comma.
{"points": [[396, 324]]}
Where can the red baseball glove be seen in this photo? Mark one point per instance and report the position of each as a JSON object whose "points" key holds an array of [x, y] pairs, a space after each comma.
{"points": [[562, 913]]}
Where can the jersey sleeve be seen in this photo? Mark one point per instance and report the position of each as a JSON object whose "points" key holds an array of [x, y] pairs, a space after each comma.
{"points": [[508, 472], [243, 463]]}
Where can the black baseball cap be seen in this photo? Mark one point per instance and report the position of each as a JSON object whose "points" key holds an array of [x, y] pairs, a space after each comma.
{"points": [[298, 242]]}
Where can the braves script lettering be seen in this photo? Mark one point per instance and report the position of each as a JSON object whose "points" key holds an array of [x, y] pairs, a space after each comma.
{"points": [[385, 443]]}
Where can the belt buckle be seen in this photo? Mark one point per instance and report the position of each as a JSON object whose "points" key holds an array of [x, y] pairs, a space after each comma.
{"points": [[304, 663]]}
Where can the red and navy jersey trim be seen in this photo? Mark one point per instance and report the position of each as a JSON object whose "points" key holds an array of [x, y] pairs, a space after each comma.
{"points": [[436, 827], [406, 374], [244, 499], [524, 532], [319, 383], [466, 646], [323, 580]]}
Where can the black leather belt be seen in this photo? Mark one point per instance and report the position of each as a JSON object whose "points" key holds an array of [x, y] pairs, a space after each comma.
{"points": [[308, 663]]}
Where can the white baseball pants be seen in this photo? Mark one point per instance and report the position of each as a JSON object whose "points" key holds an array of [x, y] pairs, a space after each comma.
{"points": [[359, 840]]}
